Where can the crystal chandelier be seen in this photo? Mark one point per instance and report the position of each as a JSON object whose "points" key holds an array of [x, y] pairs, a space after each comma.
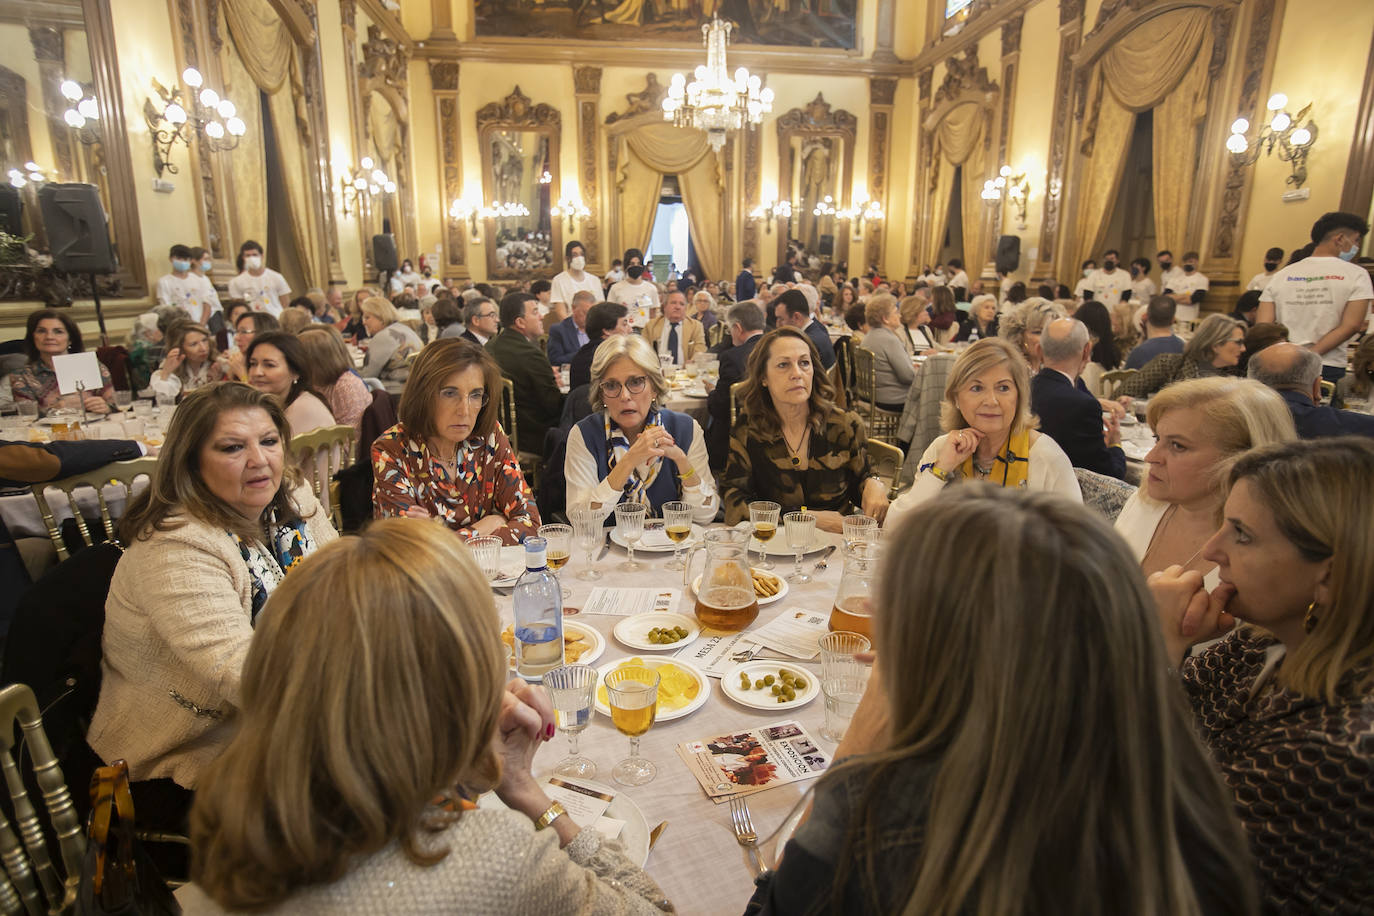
{"points": [[713, 101]]}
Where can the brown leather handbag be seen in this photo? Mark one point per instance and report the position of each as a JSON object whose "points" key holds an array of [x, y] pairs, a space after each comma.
{"points": [[118, 877]]}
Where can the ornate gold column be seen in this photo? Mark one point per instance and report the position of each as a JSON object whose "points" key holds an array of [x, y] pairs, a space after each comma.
{"points": [[753, 154], [443, 79], [1011, 58], [925, 162], [348, 10], [1070, 36], [316, 140], [881, 91], [587, 90]]}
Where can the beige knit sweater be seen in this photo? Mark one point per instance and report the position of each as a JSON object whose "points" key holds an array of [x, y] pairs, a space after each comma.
{"points": [[177, 629], [497, 864]]}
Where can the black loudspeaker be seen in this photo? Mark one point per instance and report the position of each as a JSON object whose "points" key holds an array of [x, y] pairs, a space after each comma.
{"points": [[384, 254], [826, 247], [11, 210], [1008, 253], [78, 235]]}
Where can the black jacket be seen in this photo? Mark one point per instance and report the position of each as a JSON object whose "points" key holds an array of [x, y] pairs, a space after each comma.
{"points": [[732, 369], [1072, 417], [1317, 420]]}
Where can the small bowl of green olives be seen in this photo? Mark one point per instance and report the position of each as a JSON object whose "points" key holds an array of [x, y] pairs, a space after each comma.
{"points": [[765, 684], [657, 631]]}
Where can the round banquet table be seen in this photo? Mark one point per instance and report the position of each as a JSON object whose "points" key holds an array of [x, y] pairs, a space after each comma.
{"points": [[696, 860]]}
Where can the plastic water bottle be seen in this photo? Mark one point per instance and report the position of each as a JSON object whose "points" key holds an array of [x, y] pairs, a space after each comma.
{"points": [[973, 332], [538, 602]]}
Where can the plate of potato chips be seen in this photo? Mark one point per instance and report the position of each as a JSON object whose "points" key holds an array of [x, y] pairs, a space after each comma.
{"points": [[582, 644], [767, 587]]}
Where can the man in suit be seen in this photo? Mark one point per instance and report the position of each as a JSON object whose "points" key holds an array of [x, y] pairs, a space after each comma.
{"points": [[745, 288], [516, 350], [1295, 373], [1068, 412], [745, 321], [570, 334], [480, 320], [673, 332], [603, 320], [792, 310]]}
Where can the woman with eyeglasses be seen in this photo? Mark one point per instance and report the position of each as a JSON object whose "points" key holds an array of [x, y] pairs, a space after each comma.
{"points": [[630, 448], [447, 458]]}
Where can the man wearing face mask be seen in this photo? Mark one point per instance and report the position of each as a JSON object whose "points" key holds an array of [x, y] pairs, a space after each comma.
{"points": [[1084, 284], [1109, 283], [1169, 272], [1324, 298], [1272, 259], [637, 291], [1143, 289], [186, 289], [576, 277], [262, 288], [1189, 291]]}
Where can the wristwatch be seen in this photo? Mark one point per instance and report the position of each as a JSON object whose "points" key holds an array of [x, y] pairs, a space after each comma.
{"points": [[553, 813]]}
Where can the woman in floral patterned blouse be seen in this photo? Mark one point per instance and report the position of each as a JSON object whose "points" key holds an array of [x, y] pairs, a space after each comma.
{"points": [[51, 333], [448, 458]]}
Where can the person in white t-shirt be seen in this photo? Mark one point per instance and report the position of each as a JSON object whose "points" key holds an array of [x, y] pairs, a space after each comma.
{"points": [[1323, 299], [406, 277], [569, 282], [934, 277], [1272, 259], [1110, 282], [1143, 289], [1085, 283], [186, 289], [614, 275], [636, 290], [1190, 290], [958, 280], [262, 288], [1169, 272]]}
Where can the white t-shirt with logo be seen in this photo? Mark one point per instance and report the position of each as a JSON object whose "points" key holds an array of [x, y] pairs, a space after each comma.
{"points": [[1108, 287], [189, 293], [263, 294], [1260, 280], [1310, 298], [640, 298], [1169, 279], [565, 287], [1143, 290], [1190, 283]]}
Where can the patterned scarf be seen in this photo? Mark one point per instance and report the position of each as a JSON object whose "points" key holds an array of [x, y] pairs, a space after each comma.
{"points": [[636, 488], [1011, 467], [267, 566]]}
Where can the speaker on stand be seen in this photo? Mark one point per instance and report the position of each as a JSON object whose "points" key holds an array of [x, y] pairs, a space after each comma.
{"points": [[79, 235]]}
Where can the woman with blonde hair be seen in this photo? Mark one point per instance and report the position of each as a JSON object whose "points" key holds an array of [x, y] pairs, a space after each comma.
{"points": [[1007, 778], [391, 343], [1201, 426], [990, 433], [1216, 346], [1283, 702], [192, 361], [916, 336], [631, 448], [1023, 324], [793, 445], [351, 783], [347, 394]]}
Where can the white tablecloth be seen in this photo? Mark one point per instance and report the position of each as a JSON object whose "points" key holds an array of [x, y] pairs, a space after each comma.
{"points": [[22, 518], [694, 407], [696, 861]]}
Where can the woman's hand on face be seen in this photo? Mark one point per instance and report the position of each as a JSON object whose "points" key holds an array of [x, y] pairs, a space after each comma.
{"points": [[1187, 613], [958, 445], [829, 521], [172, 360], [237, 367], [524, 723]]}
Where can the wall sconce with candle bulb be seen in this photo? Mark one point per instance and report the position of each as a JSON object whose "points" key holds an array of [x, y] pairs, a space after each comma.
{"points": [[199, 109], [83, 117], [474, 212], [1292, 137], [362, 183], [1008, 186], [766, 213], [859, 213], [572, 209]]}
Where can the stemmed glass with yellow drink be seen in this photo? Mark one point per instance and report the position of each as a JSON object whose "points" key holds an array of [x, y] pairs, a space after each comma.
{"points": [[763, 515], [677, 524], [632, 694], [559, 538]]}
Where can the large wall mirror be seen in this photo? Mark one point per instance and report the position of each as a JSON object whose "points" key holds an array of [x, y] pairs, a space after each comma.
{"points": [[816, 170], [520, 180], [45, 44]]}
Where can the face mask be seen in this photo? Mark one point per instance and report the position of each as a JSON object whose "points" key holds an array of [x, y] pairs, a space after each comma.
{"points": [[180, 265], [1271, 266], [1087, 271], [1135, 270], [1349, 253], [207, 266], [578, 263], [635, 271], [1165, 265], [252, 262], [1189, 268], [1110, 265]]}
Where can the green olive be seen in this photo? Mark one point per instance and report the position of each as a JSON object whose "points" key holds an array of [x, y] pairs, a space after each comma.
{"points": [[758, 685], [799, 684], [768, 679]]}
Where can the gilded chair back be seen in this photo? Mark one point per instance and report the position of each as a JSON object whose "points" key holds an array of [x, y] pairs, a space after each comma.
{"points": [[116, 472], [322, 453]]}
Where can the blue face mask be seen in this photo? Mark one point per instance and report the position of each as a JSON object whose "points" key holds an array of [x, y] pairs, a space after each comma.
{"points": [[1349, 254], [207, 265], [180, 265]]}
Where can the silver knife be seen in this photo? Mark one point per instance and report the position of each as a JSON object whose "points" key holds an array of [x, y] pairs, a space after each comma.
{"points": [[605, 548], [821, 563]]}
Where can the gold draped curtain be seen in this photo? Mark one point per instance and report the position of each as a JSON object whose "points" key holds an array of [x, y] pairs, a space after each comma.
{"points": [[1160, 64], [959, 142], [939, 210], [266, 53], [657, 149]]}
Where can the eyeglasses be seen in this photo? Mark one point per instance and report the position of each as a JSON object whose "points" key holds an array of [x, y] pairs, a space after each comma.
{"points": [[477, 399], [635, 384], [485, 315]]}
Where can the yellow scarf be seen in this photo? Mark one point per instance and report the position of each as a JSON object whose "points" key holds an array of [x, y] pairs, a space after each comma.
{"points": [[1011, 467]]}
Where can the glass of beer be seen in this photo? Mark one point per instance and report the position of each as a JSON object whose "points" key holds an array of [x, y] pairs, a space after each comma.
{"points": [[763, 516], [677, 524], [559, 550], [632, 694]]}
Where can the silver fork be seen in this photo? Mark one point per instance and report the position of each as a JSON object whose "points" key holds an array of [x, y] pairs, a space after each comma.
{"points": [[745, 834]]}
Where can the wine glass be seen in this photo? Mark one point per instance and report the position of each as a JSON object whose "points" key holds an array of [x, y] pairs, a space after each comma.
{"points": [[629, 522], [632, 693], [572, 690], [559, 550], [801, 529], [764, 517], [677, 524], [124, 398], [588, 531], [859, 529]]}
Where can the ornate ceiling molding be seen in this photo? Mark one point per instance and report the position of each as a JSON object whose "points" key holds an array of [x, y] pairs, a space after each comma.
{"points": [[515, 111]]}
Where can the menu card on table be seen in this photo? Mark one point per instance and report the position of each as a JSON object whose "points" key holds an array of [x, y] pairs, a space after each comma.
{"points": [[585, 805], [793, 633], [626, 602], [750, 761]]}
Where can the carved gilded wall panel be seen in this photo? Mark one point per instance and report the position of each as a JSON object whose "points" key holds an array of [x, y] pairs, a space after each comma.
{"points": [[587, 88], [443, 78]]}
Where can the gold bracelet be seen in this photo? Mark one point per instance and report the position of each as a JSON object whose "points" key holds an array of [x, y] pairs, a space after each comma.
{"points": [[691, 472], [938, 474], [554, 812]]}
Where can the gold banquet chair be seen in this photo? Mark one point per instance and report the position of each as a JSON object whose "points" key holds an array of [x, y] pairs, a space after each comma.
{"points": [[882, 424], [322, 453], [123, 472], [1111, 382], [530, 462], [735, 390], [887, 461], [34, 884]]}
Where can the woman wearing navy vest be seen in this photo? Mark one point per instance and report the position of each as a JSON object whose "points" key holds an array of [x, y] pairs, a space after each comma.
{"points": [[630, 449]]}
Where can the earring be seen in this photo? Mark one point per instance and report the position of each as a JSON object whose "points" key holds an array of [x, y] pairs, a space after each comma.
{"points": [[1309, 620]]}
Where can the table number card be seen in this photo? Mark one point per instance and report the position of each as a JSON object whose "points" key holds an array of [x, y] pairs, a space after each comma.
{"points": [[78, 368]]}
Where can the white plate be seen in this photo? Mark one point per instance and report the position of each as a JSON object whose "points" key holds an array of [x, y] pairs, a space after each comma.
{"points": [[764, 699], [634, 836], [763, 602], [595, 641], [633, 631], [778, 546], [655, 541], [512, 566], [702, 680]]}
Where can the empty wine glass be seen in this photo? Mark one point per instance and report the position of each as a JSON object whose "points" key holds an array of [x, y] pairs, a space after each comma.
{"points": [[677, 524], [763, 516], [559, 550], [629, 523], [801, 528], [589, 534], [632, 694], [124, 398], [572, 690], [859, 529]]}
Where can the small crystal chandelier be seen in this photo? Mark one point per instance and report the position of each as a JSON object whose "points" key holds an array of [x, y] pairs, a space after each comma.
{"points": [[714, 102]]}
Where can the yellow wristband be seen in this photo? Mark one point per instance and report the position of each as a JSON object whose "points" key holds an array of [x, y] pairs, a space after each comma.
{"points": [[939, 474], [554, 812], [691, 472]]}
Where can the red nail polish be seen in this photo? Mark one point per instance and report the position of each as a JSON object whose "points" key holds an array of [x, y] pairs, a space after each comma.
{"points": [[548, 732]]}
